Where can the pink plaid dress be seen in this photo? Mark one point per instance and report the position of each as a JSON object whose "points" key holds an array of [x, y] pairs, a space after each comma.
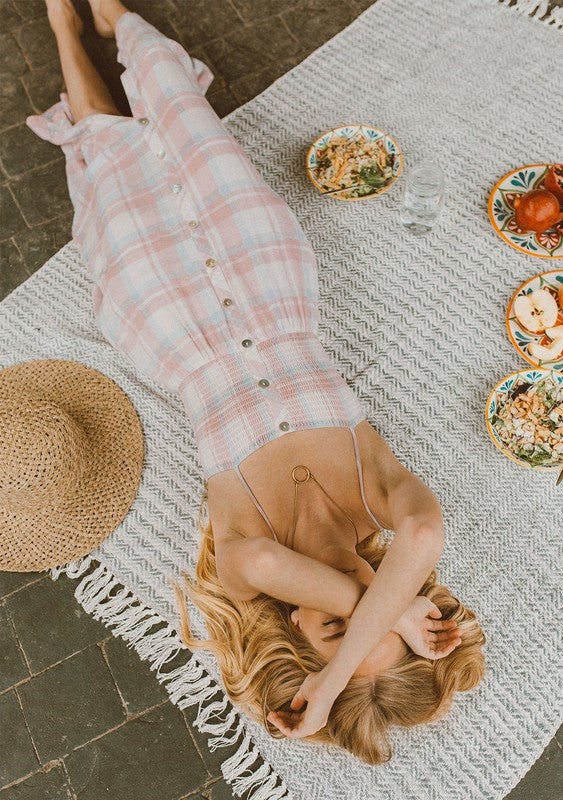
{"points": [[202, 274]]}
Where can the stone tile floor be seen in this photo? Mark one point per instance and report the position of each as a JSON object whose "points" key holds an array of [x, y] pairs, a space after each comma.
{"points": [[81, 716]]}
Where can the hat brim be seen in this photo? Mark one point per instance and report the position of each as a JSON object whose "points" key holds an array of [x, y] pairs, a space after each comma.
{"points": [[105, 491]]}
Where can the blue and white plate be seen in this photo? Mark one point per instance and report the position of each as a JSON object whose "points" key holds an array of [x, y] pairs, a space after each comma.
{"points": [[548, 244], [360, 190], [521, 338], [501, 394]]}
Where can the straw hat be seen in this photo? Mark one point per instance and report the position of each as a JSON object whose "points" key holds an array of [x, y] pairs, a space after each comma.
{"points": [[71, 456]]}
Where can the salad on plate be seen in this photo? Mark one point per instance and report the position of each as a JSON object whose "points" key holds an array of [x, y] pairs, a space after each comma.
{"points": [[528, 421]]}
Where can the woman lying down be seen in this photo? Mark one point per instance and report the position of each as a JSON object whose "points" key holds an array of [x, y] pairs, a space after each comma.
{"points": [[205, 279]]}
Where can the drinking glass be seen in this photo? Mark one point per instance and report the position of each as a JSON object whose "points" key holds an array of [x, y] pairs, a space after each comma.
{"points": [[423, 197]]}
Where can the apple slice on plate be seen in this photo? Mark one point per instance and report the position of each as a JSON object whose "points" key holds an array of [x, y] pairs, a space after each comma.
{"points": [[535, 317]]}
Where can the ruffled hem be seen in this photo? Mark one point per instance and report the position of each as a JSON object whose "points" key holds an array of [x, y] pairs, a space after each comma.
{"points": [[56, 125]]}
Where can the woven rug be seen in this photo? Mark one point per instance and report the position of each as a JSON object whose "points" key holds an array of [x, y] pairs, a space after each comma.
{"points": [[417, 327]]}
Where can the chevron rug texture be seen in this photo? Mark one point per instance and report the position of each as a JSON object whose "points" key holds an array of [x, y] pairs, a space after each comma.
{"points": [[417, 328]]}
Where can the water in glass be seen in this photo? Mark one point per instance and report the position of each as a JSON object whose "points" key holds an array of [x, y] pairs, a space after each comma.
{"points": [[423, 197]]}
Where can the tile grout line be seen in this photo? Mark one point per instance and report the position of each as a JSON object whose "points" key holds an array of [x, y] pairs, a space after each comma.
{"points": [[192, 737], [286, 26], [41, 769], [8, 186], [27, 94], [205, 786], [4, 172], [20, 48], [104, 656], [237, 12], [132, 718], [27, 727], [60, 157], [74, 749], [20, 646], [39, 227], [91, 772], [45, 669], [31, 583], [16, 245], [68, 780], [11, 127]]}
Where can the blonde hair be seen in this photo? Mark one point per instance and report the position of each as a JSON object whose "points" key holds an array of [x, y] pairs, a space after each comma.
{"points": [[264, 659]]}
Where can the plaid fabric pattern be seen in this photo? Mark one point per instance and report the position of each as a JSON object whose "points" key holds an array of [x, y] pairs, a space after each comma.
{"points": [[202, 274]]}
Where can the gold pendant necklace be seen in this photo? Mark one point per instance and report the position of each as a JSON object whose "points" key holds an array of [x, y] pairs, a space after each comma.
{"points": [[297, 481]]}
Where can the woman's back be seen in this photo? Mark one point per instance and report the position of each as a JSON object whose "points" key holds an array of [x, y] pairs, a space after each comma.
{"points": [[349, 477]]}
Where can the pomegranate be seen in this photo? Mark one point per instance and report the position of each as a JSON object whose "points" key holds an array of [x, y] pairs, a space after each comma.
{"points": [[553, 181], [537, 210]]}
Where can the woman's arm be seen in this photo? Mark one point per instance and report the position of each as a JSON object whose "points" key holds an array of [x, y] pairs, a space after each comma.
{"points": [[416, 517], [247, 567], [411, 556]]}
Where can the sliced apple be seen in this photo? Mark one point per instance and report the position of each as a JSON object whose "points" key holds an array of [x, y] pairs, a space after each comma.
{"points": [[551, 351], [536, 311]]}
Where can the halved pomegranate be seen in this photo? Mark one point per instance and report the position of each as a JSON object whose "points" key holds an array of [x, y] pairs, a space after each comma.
{"points": [[553, 181]]}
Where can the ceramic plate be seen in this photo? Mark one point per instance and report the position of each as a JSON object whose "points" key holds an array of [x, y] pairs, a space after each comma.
{"points": [[353, 132], [521, 338], [498, 396], [548, 244]]}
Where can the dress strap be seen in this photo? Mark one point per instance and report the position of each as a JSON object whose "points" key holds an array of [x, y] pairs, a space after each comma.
{"points": [[254, 500], [361, 477]]}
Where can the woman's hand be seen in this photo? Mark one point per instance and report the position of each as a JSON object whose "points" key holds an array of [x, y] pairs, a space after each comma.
{"points": [[424, 633], [310, 708]]}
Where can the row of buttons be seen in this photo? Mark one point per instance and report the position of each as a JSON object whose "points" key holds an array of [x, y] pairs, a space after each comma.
{"points": [[159, 153], [264, 383], [210, 262], [177, 188], [227, 302]]}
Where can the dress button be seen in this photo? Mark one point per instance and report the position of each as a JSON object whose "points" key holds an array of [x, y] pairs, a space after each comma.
{"points": [[227, 302], [193, 223], [160, 153], [210, 262], [263, 382], [143, 121], [284, 426], [247, 342], [177, 188]]}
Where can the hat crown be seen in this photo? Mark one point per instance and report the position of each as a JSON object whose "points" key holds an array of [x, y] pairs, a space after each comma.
{"points": [[43, 453]]}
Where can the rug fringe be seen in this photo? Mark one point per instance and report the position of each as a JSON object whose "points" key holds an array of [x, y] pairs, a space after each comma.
{"points": [[537, 9], [102, 595], [260, 781]]}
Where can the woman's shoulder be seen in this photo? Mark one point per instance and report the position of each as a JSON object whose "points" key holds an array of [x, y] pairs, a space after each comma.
{"points": [[377, 457], [231, 512]]}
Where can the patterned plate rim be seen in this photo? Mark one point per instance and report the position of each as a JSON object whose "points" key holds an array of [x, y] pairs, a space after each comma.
{"points": [[336, 196], [492, 219], [542, 373], [507, 318]]}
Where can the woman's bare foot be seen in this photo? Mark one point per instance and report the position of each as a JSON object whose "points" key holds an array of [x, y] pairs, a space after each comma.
{"points": [[63, 16], [106, 13]]}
